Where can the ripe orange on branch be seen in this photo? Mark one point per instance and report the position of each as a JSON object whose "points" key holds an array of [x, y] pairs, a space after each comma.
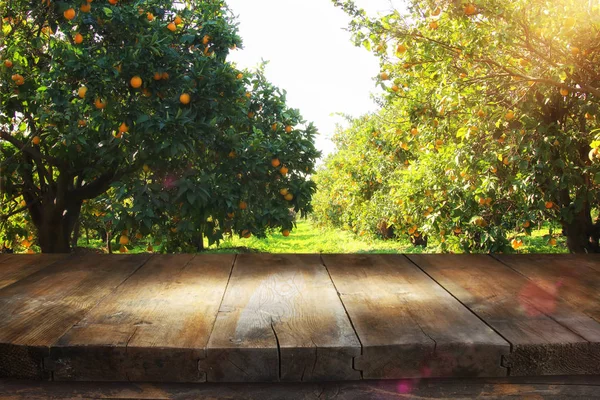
{"points": [[69, 14], [99, 103], [8, 63], [184, 98], [78, 39], [136, 82], [470, 9], [172, 27], [275, 162]]}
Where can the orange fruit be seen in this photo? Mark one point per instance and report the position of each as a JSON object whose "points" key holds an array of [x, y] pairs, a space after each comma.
{"points": [[240, 76], [230, 215], [99, 103], [123, 128], [250, 114], [481, 113], [549, 205], [81, 123], [165, 75], [146, 168], [275, 162], [288, 129], [552, 242], [289, 197], [574, 50], [157, 76], [414, 131], [113, 2], [510, 115], [146, 92], [69, 14], [588, 116], [82, 91], [8, 63], [184, 98], [172, 27], [78, 38], [470, 9], [243, 205], [401, 48], [36, 140], [205, 40], [231, 154], [123, 240], [136, 82], [526, 224], [516, 244], [178, 20], [150, 16], [274, 127], [285, 233], [384, 76], [283, 192], [564, 92], [123, 249], [18, 79], [150, 249], [246, 233], [436, 12], [395, 88], [284, 170], [86, 8], [139, 235], [433, 25]]}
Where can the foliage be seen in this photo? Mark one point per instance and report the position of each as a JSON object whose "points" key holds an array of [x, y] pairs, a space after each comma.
{"points": [[485, 128], [136, 102]]}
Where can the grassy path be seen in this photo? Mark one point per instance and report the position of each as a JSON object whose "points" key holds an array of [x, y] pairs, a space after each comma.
{"points": [[309, 238]]}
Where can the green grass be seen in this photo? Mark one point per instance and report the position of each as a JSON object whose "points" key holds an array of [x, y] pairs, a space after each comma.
{"points": [[309, 238]]}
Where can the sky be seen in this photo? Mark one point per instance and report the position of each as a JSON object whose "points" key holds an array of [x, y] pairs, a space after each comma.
{"points": [[311, 56]]}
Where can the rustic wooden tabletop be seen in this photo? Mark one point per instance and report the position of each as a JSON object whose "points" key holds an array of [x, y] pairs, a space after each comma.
{"points": [[297, 318]]}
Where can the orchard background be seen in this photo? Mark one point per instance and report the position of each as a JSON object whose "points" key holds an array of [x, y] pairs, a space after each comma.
{"points": [[124, 126]]}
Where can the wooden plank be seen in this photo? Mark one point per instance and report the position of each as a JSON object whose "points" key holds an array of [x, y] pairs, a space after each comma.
{"points": [[440, 389], [408, 325], [547, 338], [5, 257], [40, 308], [154, 327], [569, 277], [19, 266], [281, 319]]}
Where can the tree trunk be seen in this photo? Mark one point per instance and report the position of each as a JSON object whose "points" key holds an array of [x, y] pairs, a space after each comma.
{"points": [[200, 242], [76, 231], [582, 233], [55, 226]]}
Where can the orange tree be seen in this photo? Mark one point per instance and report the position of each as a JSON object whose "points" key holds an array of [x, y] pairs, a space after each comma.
{"points": [[488, 125], [138, 96]]}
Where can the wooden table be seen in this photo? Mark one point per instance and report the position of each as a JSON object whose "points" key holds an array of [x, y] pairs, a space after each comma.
{"points": [[297, 318]]}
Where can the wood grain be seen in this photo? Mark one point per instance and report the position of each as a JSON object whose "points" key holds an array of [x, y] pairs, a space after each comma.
{"points": [[281, 319], [38, 309], [154, 327], [18, 266], [548, 336], [408, 325], [569, 277], [572, 388]]}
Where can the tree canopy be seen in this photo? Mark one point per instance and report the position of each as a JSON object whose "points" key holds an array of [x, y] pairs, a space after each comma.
{"points": [[135, 101], [488, 125]]}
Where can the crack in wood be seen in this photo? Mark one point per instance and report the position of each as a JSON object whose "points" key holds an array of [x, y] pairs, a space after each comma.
{"points": [[347, 315], [278, 349]]}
